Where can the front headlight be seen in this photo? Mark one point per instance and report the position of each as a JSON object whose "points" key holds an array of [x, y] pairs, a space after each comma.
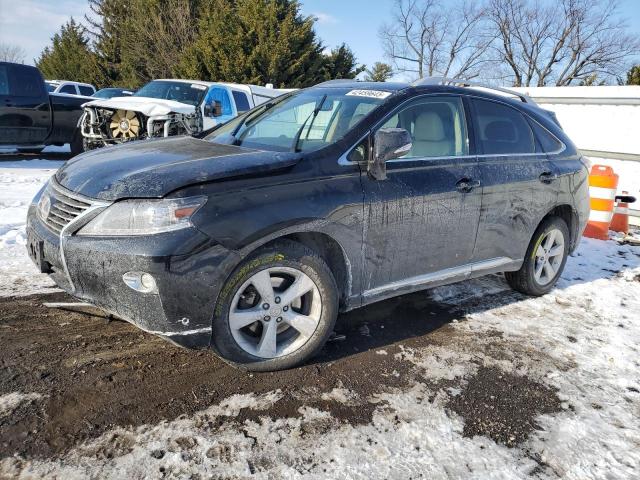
{"points": [[144, 217]]}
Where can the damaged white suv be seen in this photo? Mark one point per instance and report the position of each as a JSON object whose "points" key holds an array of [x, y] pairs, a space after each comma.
{"points": [[168, 107]]}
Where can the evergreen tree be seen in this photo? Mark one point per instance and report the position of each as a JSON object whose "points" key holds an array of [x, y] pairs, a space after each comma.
{"points": [[381, 72], [69, 56], [633, 75], [341, 63], [256, 41]]}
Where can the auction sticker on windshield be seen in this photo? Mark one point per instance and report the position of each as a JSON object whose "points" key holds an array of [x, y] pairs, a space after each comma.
{"points": [[369, 93]]}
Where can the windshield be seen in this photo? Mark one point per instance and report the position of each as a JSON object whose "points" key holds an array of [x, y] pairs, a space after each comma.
{"points": [[304, 121], [190, 93]]}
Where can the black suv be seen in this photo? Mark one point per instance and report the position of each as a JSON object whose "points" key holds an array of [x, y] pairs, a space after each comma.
{"points": [[252, 238]]}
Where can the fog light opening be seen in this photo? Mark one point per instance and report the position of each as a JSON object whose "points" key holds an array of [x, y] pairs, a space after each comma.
{"points": [[140, 282]]}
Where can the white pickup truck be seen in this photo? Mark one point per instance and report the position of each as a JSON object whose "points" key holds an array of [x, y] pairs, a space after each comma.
{"points": [[168, 107]]}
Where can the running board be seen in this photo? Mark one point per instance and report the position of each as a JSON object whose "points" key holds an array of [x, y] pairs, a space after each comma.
{"points": [[79, 307]]}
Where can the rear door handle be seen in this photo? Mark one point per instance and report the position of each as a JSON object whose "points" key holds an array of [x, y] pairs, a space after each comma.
{"points": [[465, 185], [548, 177]]}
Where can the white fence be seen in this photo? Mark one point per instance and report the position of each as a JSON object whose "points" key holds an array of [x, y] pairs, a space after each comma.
{"points": [[604, 123]]}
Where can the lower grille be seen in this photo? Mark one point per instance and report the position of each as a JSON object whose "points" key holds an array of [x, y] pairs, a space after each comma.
{"points": [[58, 206]]}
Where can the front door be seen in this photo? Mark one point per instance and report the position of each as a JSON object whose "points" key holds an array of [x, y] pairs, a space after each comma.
{"points": [[421, 222], [25, 116]]}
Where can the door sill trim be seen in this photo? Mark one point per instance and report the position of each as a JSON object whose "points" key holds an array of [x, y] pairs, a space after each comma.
{"points": [[464, 271]]}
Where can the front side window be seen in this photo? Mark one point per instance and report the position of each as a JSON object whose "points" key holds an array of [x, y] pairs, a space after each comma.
{"points": [[436, 124], [4, 81], [218, 94], [25, 82], [303, 121], [502, 129]]}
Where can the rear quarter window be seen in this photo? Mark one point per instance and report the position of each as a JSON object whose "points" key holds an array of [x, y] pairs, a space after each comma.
{"points": [[546, 141], [501, 129]]}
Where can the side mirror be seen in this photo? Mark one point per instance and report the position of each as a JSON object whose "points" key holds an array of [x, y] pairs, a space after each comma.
{"points": [[389, 143], [213, 109]]}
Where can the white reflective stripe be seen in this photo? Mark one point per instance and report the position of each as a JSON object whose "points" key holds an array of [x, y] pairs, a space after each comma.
{"points": [[623, 210], [598, 216], [602, 193]]}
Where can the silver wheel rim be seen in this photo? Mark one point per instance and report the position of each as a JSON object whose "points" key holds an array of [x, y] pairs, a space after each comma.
{"points": [[549, 256], [275, 312]]}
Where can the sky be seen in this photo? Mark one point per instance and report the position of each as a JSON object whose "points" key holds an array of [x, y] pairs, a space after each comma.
{"points": [[31, 23]]}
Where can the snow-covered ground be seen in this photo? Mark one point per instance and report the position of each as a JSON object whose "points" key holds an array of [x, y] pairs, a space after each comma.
{"points": [[19, 182], [583, 340]]}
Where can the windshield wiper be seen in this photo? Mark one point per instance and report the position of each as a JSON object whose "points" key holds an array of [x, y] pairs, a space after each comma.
{"points": [[251, 116], [312, 116]]}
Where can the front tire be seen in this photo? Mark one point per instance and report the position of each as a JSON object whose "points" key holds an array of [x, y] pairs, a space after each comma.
{"points": [[77, 143], [276, 310], [545, 259]]}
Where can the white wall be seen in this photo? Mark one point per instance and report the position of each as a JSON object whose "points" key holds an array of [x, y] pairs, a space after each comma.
{"points": [[604, 122]]}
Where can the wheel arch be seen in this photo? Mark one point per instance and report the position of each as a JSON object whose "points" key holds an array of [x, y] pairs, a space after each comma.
{"points": [[567, 213]]}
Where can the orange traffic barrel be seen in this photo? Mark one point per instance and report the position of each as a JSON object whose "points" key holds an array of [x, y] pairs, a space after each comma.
{"points": [[620, 220], [603, 183]]}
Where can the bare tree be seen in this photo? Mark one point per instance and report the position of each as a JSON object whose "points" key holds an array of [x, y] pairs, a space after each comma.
{"points": [[436, 37], [12, 53], [560, 42]]}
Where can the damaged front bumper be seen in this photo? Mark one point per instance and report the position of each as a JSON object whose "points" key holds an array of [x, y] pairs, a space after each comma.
{"points": [[188, 268]]}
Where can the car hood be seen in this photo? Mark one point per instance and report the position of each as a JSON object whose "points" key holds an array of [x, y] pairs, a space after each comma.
{"points": [[147, 106], [154, 168]]}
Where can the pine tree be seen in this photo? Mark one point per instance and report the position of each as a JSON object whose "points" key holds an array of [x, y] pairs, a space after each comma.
{"points": [[69, 56], [341, 63], [256, 41], [381, 72], [633, 75]]}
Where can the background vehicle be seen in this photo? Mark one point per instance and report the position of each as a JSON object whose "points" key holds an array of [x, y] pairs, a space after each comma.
{"points": [[164, 108], [252, 238], [70, 88], [30, 117], [113, 92]]}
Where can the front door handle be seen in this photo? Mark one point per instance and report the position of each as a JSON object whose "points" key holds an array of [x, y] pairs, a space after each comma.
{"points": [[548, 177], [465, 185]]}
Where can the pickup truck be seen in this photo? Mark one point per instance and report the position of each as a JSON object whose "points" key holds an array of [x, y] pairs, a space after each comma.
{"points": [[30, 117], [168, 107]]}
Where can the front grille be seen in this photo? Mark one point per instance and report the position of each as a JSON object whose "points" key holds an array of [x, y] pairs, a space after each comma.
{"points": [[63, 206]]}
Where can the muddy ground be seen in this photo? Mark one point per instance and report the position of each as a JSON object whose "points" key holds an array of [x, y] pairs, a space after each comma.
{"points": [[93, 375]]}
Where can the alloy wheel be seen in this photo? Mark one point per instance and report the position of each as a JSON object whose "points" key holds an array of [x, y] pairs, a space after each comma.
{"points": [[275, 312], [549, 256]]}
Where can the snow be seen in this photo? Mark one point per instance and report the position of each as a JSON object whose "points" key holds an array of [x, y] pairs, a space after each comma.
{"points": [[582, 339], [11, 401], [19, 182]]}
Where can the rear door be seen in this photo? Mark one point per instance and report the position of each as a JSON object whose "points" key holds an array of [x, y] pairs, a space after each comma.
{"points": [[519, 182], [422, 221], [25, 115]]}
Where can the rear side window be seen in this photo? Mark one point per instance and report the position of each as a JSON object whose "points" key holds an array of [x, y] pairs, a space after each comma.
{"points": [[242, 102], [25, 82], [4, 81], [547, 142], [86, 91], [68, 89], [502, 129]]}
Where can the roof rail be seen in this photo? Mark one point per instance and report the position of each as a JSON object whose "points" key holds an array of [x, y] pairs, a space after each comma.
{"points": [[471, 83]]}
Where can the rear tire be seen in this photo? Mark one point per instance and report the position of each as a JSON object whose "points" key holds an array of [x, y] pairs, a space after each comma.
{"points": [[276, 310], [545, 259]]}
